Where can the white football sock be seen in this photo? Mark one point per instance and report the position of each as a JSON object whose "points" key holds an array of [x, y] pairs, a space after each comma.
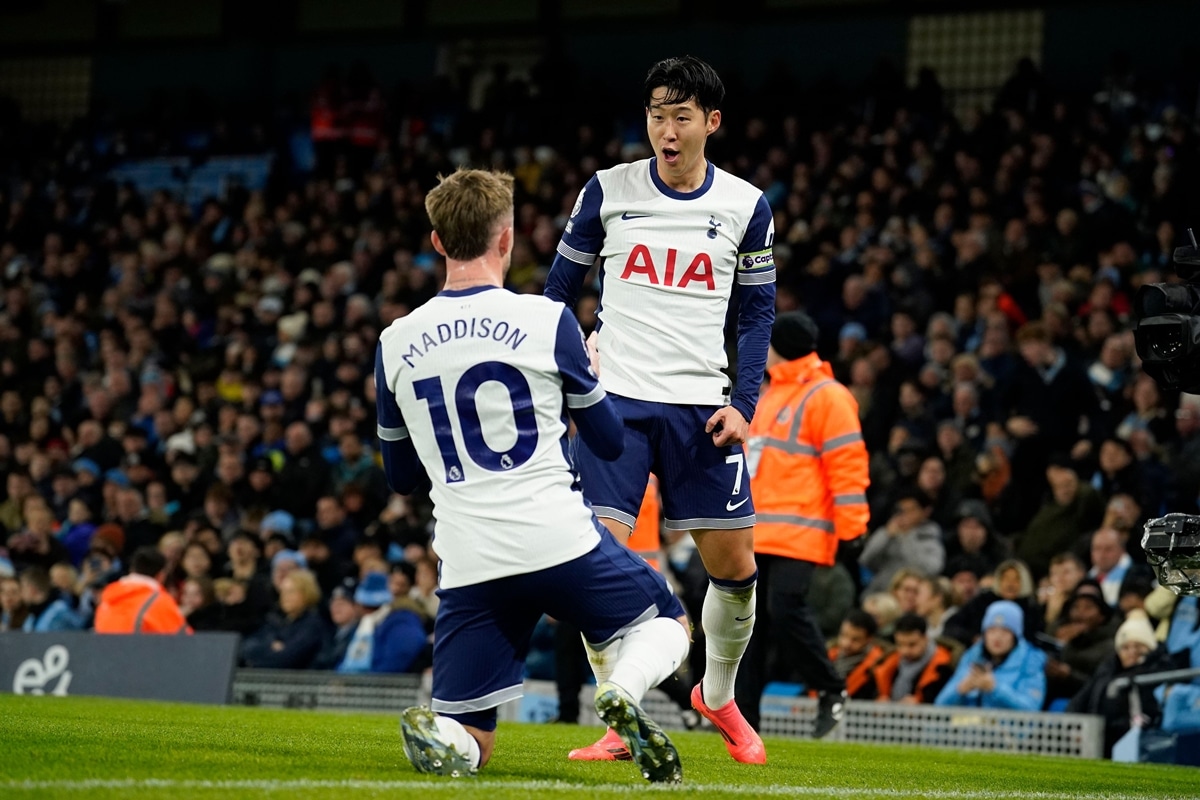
{"points": [[650, 653], [453, 733], [728, 620], [602, 661]]}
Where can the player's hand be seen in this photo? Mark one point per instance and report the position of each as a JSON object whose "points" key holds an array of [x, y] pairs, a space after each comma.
{"points": [[727, 427], [593, 353]]}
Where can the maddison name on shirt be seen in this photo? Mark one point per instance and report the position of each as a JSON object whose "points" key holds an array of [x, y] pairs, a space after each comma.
{"points": [[473, 328]]}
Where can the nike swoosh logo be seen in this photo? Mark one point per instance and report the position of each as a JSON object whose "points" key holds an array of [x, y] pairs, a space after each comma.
{"points": [[732, 506], [744, 619], [628, 216]]}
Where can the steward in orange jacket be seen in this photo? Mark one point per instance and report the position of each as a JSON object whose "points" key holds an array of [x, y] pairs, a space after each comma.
{"points": [[808, 477], [931, 661], [138, 603]]}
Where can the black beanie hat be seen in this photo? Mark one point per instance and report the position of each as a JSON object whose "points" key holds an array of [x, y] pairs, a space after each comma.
{"points": [[794, 335]]}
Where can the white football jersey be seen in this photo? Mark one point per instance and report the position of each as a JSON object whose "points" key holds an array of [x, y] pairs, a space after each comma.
{"points": [[668, 265], [481, 379]]}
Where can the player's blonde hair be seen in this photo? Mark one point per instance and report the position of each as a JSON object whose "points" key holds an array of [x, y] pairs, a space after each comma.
{"points": [[466, 207]]}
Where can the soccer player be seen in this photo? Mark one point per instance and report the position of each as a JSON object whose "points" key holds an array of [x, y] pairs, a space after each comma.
{"points": [[473, 391], [676, 239]]}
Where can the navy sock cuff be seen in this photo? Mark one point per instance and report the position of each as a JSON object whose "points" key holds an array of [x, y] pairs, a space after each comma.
{"points": [[733, 586]]}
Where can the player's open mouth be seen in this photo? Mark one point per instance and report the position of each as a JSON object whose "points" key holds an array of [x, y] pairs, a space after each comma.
{"points": [[670, 156]]}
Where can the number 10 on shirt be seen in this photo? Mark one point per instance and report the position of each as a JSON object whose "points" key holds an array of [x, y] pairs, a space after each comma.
{"points": [[524, 416]]}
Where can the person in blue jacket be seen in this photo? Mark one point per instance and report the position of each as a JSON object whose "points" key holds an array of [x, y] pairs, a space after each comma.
{"points": [[1002, 670]]}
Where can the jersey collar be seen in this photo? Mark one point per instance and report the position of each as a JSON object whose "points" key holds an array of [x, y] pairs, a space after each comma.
{"points": [[465, 292], [709, 172]]}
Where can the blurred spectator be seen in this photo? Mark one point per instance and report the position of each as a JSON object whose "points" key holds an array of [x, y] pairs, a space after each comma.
{"points": [[1066, 572], [1002, 670], [46, 610], [1137, 652], [936, 604], [138, 602], [909, 539], [1084, 639], [198, 604], [13, 610], [294, 633], [883, 608], [1111, 564], [917, 669], [971, 534], [1072, 509], [345, 614], [856, 653], [1011, 582]]}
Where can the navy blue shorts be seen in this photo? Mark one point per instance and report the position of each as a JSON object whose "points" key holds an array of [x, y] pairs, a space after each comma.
{"points": [[703, 486], [482, 633]]}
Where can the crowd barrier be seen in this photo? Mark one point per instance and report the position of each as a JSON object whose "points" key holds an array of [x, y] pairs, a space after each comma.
{"points": [[1073, 735]]}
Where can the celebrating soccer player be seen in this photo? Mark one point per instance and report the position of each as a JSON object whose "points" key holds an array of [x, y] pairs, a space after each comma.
{"points": [[471, 389], [676, 238]]}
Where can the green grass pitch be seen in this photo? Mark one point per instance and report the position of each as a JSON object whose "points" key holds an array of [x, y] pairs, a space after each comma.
{"points": [[79, 747]]}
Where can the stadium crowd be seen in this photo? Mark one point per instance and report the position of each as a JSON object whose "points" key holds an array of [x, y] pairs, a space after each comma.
{"points": [[199, 379]]}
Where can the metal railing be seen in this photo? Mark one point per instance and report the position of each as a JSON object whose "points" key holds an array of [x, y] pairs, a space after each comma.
{"points": [[1076, 735]]}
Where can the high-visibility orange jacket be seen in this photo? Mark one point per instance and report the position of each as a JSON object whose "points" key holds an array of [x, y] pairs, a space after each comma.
{"points": [[808, 464], [644, 539], [861, 677], [931, 680], [138, 604]]}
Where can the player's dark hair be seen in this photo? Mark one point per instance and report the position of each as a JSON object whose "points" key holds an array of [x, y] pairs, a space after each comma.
{"points": [[863, 621], [685, 79], [911, 623]]}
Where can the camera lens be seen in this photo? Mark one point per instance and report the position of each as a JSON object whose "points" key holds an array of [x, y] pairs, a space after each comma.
{"points": [[1168, 343]]}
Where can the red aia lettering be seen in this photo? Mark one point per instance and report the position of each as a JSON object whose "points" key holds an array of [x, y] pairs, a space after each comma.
{"points": [[641, 262]]}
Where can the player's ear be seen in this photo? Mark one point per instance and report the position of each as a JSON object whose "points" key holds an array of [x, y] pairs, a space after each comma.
{"points": [[437, 243], [505, 241], [714, 121]]}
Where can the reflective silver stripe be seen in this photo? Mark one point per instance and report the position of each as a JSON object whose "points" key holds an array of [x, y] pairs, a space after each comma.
{"points": [[585, 400], [608, 512], [849, 499], [794, 448], [390, 434], [756, 278], [798, 418], [841, 441], [709, 524], [566, 251], [792, 519], [492, 700], [145, 609]]}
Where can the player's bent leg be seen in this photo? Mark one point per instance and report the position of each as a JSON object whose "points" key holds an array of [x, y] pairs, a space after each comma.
{"points": [[728, 620]]}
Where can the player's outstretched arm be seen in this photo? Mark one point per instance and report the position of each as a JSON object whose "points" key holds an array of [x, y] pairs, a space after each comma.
{"points": [[595, 416], [400, 461], [577, 250]]}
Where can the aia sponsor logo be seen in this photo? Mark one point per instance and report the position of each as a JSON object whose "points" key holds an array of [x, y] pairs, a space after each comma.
{"points": [[668, 269]]}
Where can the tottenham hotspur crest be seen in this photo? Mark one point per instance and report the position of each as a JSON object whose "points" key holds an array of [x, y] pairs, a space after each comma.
{"points": [[713, 225]]}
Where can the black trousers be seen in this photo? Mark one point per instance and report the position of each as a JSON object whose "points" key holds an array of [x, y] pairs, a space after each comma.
{"points": [[786, 627]]}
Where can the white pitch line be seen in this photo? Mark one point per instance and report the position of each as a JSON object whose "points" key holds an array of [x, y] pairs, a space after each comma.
{"points": [[466, 784]]}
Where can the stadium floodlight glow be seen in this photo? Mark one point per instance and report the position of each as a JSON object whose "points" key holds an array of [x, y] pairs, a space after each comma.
{"points": [[1172, 545]]}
